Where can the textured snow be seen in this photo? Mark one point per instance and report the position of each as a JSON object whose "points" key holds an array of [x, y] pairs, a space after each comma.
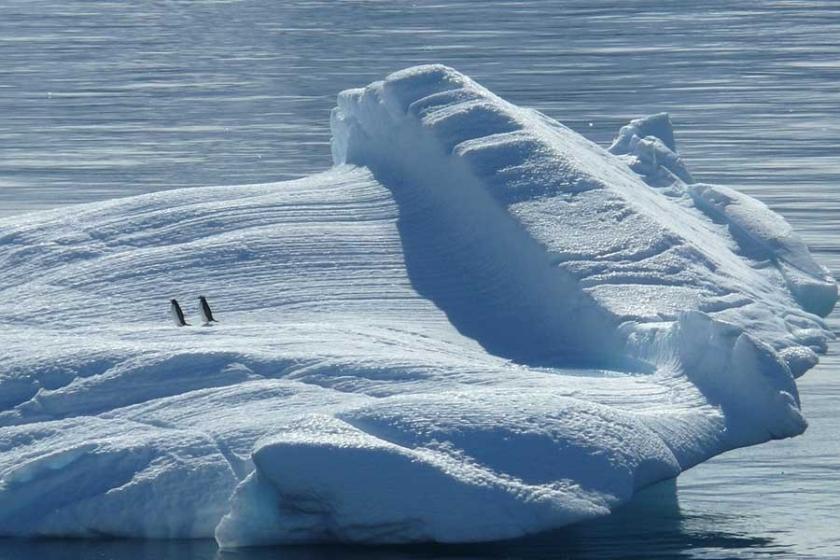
{"points": [[477, 325]]}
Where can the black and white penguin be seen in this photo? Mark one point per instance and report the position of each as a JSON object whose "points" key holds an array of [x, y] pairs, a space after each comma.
{"points": [[206, 313], [177, 314]]}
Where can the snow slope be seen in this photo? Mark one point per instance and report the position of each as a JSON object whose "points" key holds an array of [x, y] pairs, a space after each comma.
{"points": [[477, 325]]}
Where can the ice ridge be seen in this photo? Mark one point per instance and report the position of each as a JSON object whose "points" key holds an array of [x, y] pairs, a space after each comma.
{"points": [[477, 325]]}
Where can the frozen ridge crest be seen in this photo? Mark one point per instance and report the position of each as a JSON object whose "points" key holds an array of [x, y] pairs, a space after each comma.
{"points": [[477, 325], [633, 265]]}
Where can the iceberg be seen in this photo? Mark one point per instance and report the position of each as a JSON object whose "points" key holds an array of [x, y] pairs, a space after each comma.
{"points": [[477, 325]]}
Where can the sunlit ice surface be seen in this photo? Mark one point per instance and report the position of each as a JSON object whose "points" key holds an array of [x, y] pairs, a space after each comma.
{"points": [[722, 141]]}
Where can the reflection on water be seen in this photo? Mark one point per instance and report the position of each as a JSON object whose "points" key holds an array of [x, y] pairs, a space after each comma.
{"points": [[652, 526], [108, 98]]}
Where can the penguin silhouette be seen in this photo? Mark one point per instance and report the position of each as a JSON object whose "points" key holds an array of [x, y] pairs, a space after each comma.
{"points": [[177, 314], [206, 313]]}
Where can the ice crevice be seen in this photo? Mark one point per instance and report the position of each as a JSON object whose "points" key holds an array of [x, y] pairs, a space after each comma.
{"points": [[477, 325]]}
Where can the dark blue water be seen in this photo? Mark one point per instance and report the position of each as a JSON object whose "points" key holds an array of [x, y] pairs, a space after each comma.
{"points": [[112, 98]]}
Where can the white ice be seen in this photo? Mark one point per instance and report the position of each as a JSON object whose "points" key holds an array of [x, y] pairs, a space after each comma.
{"points": [[477, 325]]}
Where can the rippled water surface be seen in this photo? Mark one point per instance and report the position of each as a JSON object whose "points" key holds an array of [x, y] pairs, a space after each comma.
{"points": [[113, 98]]}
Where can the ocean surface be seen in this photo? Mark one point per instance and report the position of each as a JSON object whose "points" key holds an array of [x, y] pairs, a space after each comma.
{"points": [[100, 99]]}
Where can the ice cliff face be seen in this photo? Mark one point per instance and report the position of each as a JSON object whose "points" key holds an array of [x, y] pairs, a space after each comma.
{"points": [[477, 325]]}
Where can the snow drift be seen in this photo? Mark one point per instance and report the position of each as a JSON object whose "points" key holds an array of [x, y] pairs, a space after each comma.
{"points": [[477, 325]]}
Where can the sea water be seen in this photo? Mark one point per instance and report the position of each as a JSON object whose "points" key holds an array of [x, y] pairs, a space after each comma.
{"points": [[100, 99]]}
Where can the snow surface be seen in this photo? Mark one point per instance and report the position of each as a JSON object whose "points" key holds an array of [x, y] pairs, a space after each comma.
{"points": [[477, 325]]}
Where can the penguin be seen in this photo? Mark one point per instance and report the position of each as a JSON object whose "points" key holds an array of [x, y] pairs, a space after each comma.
{"points": [[206, 314], [177, 314]]}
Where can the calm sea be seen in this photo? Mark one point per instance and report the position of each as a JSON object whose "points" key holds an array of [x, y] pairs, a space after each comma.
{"points": [[100, 99]]}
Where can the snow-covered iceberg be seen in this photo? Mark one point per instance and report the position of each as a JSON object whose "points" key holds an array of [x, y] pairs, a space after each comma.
{"points": [[477, 325]]}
